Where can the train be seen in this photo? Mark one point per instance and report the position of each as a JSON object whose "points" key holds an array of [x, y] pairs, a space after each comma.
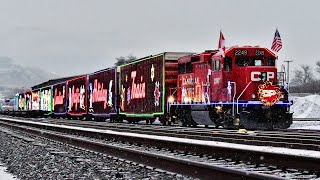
{"points": [[239, 88]]}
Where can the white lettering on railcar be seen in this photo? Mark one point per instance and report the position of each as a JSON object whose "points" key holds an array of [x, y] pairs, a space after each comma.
{"points": [[255, 76]]}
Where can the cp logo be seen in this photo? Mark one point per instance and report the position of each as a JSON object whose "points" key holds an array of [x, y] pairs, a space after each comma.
{"points": [[255, 76]]}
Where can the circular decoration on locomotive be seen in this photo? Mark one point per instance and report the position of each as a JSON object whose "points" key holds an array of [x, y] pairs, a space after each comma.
{"points": [[268, 93]]}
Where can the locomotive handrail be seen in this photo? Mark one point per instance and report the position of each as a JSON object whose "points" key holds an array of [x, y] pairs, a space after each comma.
{"points": [[234, 96], [241, 95]]}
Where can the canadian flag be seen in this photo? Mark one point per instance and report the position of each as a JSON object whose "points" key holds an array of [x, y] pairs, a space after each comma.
{"points": [[221, 45]]}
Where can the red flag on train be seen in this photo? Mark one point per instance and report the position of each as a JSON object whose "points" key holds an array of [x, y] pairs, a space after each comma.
{"points": [[221, 45], [276, 44]]}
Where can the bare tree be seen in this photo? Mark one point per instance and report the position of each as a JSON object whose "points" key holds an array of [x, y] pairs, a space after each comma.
{"points": [[318, 66], [304, 76], [122, 60], [131, 58]]}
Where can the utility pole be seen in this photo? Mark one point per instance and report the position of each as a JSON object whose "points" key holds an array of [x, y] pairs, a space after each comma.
{"points": [[288, 73]]}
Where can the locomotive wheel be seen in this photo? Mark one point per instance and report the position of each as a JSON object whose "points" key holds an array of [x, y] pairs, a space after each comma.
{"points": [[164, 121], [217, 122], [112, 119], [120, 120], [189, 120]]}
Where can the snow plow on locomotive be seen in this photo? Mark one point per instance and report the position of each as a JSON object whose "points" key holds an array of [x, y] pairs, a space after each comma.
{"points": [[238, 89]]}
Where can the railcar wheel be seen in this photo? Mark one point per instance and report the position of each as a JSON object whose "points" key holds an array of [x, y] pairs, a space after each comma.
{"points": [[120, 119], [189, 119], [152, 120]]}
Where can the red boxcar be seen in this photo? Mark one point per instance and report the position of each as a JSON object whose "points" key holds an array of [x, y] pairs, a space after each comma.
{"points": [[76, 97], [145, 85], [102, 93], [59, 99]]}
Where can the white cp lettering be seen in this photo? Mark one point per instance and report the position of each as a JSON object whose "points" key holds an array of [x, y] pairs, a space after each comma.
{"points": [[255, 76]]}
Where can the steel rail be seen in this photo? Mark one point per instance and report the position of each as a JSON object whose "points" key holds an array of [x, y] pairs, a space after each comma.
{"points": [[273, 158], [178, 165]]}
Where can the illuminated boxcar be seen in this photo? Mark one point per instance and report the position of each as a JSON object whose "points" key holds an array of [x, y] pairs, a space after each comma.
{"points": [[21, 102], [239, 89], [59, 108], [76, 97], [46, 100], [102, 89], [35, 100], [28, 100], [145, 84]]}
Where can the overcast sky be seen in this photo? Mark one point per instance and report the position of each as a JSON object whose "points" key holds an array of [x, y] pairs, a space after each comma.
{"points": [[81, 36]]}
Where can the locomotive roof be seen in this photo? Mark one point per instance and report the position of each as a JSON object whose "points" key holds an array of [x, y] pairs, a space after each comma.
{"points": [[243, 47]]}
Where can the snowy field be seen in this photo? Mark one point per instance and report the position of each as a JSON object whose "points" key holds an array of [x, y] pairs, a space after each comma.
{"points": [[5, 175], [306, 107]]}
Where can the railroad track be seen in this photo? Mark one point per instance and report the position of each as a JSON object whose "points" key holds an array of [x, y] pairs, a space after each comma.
{"points": [[231, 158], [296, 139], [306, 119]]}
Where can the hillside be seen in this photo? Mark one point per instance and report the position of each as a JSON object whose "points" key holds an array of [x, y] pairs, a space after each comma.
{"points": [[14, 77]]}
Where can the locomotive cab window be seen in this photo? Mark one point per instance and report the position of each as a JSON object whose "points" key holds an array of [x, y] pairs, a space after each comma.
{"points": [[257, 62], [216, 65], [189, 68], [182, 68], [270, 61], [227, 63], [242, 61]]}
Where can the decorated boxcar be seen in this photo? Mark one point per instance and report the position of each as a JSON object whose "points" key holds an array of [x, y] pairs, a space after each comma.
{"points": [[59, 99], [46, 100], [102, 89], [77, 97], [145, 85], [28, 100], [21, 102]]}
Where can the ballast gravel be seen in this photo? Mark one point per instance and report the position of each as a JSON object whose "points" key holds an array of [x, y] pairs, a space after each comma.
{"points": [[29, 157]]}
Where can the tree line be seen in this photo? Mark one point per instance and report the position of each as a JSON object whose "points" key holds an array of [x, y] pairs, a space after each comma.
{"points": [[304, 80]]}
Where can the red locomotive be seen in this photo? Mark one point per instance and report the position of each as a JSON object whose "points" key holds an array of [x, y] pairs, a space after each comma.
{"points": [[237, 89]]}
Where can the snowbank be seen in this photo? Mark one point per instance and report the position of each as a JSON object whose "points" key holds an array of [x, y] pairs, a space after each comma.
{"points": [[306, 107]]}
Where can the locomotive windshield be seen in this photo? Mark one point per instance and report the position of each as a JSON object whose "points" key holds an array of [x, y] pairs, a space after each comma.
{"points": [[255, 61]]}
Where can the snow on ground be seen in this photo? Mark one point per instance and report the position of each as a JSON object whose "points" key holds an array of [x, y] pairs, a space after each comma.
{"points": [[315, 125], [5, 175], [306, 107]]}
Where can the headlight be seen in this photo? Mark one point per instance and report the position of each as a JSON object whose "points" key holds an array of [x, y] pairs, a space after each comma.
{"points": [[170, 99], [253, 96]]}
